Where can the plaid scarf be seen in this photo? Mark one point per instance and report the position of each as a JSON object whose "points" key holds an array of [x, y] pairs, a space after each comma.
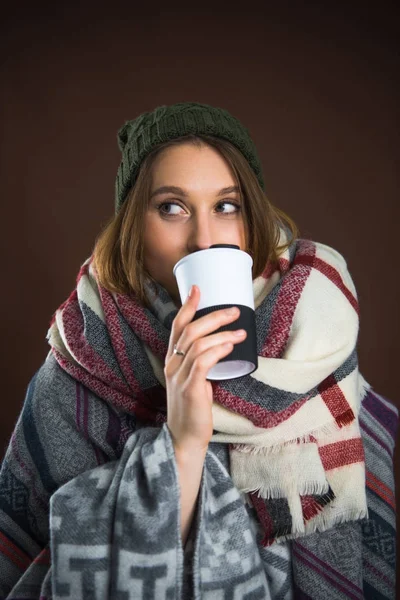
{"points": [[292, 426]]}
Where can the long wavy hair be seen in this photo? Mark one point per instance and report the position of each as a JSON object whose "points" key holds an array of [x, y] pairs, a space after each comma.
{"points": [[119, 250]]}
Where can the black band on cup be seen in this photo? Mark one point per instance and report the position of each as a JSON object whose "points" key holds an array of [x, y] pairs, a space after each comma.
{"points": [[246, 350]]}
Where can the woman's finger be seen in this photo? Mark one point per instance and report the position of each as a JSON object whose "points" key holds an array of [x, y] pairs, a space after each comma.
{"points": [[213, 346], [204, 361], [184, 317]]}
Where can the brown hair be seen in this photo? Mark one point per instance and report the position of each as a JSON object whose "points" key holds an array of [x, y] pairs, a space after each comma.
{"points": [[119, 249]]}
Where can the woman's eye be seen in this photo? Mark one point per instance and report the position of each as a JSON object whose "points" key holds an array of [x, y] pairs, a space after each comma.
{"points": [[233, 208], [167, 213]]}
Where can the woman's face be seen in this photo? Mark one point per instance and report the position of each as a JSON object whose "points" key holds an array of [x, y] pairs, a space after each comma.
{"points": [[194, 203]]}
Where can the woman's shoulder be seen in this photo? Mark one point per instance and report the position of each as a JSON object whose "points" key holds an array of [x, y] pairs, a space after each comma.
{"points": [[51, 386], [330, 254], [51, 374], [67, 426], [57, 401], [332, 258]]}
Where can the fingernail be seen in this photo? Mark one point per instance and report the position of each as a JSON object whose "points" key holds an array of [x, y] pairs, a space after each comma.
{"points": [[190, 292], [232, 311]]}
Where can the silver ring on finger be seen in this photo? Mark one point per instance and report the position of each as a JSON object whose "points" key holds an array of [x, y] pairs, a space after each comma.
{"points": [[180, 352]]}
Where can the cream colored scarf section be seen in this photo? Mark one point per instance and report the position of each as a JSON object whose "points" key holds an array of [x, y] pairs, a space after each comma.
{"points": [[283, 461]]}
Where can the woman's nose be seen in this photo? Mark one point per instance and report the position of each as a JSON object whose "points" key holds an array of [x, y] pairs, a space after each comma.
{"points": [[200, 237]]}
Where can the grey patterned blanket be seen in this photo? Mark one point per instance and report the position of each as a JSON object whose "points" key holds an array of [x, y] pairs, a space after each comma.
{"points": [[89, 508]]}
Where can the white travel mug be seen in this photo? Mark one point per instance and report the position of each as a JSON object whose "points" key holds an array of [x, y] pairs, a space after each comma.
{"points": [[223, 273]]}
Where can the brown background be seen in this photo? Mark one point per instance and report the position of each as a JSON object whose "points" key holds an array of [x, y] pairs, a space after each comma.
{"points": [[317, 87]]}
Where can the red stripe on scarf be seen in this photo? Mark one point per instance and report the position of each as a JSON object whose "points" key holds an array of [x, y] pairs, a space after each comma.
{"points": [[381, 489], [286, 303], [264, 519], [98, 387], [335, 401], [149, 405], [74, 329], [258, 415], [137, 319], [310, 507], [269, 270], [15, 554], [112, 319], [332, 274], [283, 265], [342, 453]]}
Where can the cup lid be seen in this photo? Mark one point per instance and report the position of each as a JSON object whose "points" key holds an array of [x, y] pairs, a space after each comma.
{"points": [[225, 246], [212, 247]]}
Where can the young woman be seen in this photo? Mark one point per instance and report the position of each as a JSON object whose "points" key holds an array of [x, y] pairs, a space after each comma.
{"points": [[129, 473]]}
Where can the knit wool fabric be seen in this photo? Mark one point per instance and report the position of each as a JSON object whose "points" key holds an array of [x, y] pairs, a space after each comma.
{"points": [[90, 507], [86, 497], [301, 403], [137, 138], [85, 493]]}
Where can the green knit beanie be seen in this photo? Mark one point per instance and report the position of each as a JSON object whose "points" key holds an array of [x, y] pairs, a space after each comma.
{"points": [[137, 138]]}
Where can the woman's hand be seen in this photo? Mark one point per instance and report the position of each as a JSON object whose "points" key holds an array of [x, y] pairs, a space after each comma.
{"points": [[189, 393]]}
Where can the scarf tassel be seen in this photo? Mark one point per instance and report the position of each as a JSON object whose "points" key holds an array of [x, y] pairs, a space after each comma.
{"points": [[310, 489], [310, 506], [313, 505], [345, 418]]}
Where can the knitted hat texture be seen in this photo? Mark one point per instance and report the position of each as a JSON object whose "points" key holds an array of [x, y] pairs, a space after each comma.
{"points": [[137, 138]]}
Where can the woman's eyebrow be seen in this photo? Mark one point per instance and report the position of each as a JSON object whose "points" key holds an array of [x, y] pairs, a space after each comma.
{"points": [[173, 189]]}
